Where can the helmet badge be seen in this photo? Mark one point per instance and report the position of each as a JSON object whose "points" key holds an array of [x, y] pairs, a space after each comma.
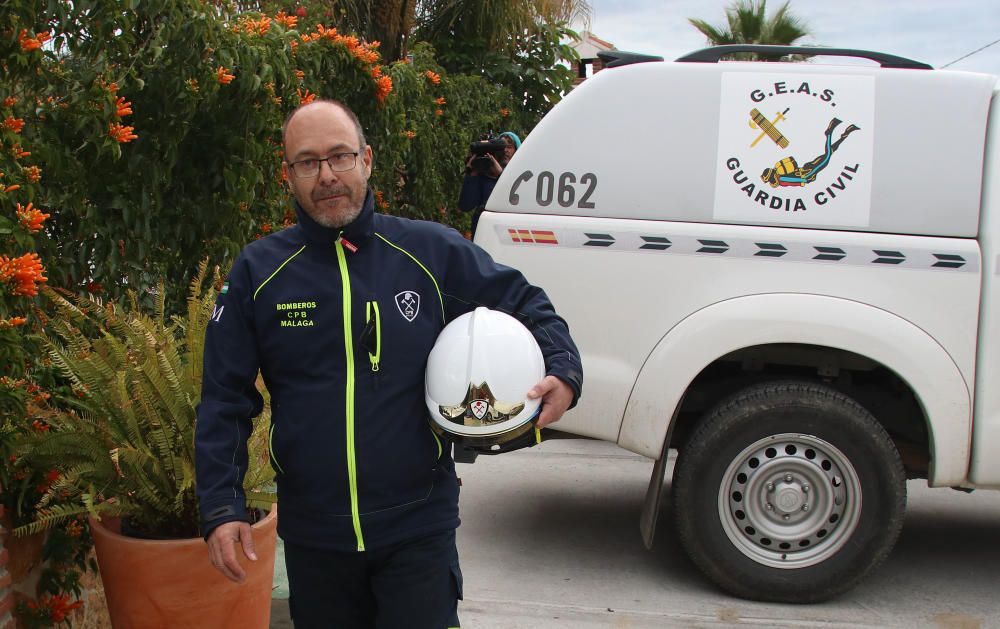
{"points": [[480, 408]]}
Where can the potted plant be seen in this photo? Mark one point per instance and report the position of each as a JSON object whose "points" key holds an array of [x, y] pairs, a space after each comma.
{"points": [[126, 449], [46, 569]]}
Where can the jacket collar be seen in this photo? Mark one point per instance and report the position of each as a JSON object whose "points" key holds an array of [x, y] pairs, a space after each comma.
{"points": [[359, 230]]}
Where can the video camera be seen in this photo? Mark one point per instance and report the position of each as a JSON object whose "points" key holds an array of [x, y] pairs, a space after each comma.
{"points": [[481, 163]]}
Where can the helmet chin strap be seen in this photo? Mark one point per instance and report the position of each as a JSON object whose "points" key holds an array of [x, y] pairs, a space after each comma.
{"points": [[532, 436]]}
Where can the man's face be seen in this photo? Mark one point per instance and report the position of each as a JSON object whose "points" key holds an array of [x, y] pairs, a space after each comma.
{"points": [[332, 199]]}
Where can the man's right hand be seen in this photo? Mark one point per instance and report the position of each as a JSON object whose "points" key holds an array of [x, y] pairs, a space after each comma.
{"points": [[222, 549]]}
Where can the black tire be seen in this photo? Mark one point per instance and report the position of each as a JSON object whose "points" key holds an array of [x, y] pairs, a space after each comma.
{"points": [[789, 492]]}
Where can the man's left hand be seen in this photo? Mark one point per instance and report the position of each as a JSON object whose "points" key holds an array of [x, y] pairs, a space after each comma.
{"points": [[556, 397]]}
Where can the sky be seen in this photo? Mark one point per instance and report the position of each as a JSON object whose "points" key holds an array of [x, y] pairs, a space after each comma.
{"points": [[935, 32]]}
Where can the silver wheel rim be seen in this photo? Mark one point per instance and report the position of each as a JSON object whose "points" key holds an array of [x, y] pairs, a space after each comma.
{"points": [[790, 501]]}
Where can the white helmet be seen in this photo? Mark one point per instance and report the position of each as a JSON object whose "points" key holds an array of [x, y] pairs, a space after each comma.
{"points": [[478, 376]]}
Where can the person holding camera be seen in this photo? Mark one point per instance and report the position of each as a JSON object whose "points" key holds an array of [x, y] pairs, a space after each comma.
{"points": [[487, 159]]}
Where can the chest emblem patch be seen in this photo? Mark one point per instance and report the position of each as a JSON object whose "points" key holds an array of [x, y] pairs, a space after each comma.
{"points": [[408, 303]]}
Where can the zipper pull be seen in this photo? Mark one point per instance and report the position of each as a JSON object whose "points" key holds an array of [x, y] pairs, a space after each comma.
{"points": [[347, 244]]}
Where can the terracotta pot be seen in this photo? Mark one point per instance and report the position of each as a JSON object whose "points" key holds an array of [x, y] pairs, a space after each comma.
{"points": [[23, 554], [156, 584]]}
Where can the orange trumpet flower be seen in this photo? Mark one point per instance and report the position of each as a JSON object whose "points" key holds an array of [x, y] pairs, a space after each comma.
{"points": [[121, 133], [223, 77], [13, 322], [122, 107], [23, 274], [13, 124], [306, 98], [30, 217]]}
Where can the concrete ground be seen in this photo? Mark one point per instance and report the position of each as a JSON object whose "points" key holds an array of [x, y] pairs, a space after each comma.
{"points": [[550, 540]]}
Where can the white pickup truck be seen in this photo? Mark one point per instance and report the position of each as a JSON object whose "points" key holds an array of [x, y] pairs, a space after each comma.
{"points": [[786, 272]]}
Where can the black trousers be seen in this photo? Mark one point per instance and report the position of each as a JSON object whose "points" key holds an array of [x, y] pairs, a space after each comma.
{"points": [[411, 585]]}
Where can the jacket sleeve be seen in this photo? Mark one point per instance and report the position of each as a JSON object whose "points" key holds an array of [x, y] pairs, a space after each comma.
{"points": [[229, 401], [474, 279]]}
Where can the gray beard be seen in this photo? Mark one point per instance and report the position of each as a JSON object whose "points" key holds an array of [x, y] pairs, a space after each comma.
{"points": [[336, 222]]}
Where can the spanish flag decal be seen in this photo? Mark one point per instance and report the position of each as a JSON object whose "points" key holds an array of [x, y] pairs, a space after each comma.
{"points": [[536, 236]]}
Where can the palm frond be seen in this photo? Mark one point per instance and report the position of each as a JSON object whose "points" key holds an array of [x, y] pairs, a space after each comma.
{"points": [[715, 36], [747, 22]]}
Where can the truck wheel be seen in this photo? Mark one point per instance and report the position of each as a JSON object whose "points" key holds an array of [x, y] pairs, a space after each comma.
{"points": [[789, 492]]}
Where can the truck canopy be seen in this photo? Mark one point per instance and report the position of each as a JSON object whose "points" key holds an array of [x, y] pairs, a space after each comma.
{"points": [[798, 145]]}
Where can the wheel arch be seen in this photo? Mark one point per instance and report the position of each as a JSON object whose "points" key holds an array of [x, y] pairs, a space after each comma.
{"points": [[719, 330]]}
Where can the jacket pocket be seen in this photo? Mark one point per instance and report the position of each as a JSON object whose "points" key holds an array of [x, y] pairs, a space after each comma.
{"points": [[371, 335], [309, 460], [399, 470]]}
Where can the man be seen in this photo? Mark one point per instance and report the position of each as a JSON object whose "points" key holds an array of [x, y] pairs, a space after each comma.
{"points": [[477, 186], [339, 314]]}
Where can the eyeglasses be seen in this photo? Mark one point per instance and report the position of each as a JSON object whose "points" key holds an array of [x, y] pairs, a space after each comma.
{"points": [[339, 162]]}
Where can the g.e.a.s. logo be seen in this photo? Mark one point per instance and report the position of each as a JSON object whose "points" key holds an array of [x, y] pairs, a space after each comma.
{"points": [[795, 148]]}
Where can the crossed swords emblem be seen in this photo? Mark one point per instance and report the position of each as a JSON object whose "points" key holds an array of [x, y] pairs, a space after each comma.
{"points": [[758, 121]]}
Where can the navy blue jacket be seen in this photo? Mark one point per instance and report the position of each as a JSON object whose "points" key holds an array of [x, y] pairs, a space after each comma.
{"points": [[475, 192], [340, 324]]}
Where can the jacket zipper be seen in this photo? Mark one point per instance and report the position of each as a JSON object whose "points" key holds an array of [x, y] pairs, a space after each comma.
{"points": [[352, 471]]}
